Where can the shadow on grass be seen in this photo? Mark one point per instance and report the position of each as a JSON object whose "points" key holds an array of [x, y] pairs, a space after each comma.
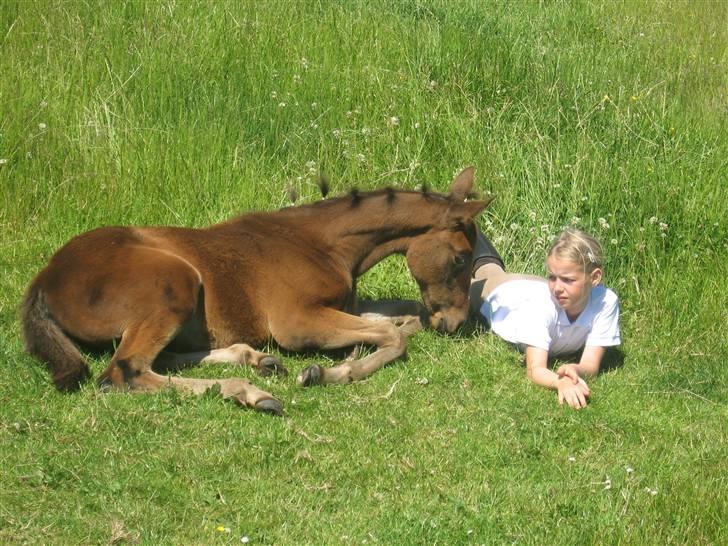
{"points": [[613, 360]]}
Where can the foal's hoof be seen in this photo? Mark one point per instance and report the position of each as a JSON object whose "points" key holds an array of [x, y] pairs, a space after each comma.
{"points": [[105, 384], [270, 365], [310, 376], [271, 406]]}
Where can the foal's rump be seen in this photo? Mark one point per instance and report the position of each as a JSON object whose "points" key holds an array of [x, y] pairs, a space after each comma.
{"points": [[104, 281]]}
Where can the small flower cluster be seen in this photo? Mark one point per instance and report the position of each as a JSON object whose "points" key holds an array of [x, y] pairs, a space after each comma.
{"points": [[661, 225], [223, 529]]}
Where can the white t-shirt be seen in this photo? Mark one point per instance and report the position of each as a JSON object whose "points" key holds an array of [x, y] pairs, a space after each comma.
{"points": [[523, 312]]}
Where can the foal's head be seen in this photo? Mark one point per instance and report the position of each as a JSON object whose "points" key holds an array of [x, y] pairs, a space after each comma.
{"points": [[440, 259]]}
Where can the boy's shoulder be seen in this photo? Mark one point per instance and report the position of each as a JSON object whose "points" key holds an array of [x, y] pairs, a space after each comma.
{"points": [[604, 296]]}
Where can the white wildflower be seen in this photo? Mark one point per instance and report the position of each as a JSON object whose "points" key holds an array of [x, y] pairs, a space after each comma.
{"points": [[514, 226], [532, 215], [614, 241], [394, 121], [653, 220], [244, 540], [629, 470], [575, 220], [603, 223], [571, 459], [663, 226], [42, 126], [3, 161]]}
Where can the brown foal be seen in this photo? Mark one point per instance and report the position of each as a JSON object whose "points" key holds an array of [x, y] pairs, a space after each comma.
{"points": [[168, 296]]}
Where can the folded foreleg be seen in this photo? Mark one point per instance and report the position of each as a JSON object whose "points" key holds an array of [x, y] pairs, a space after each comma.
{"points": [[332, 329]]}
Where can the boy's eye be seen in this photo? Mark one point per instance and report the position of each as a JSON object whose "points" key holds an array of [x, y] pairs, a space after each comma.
{"points": [[565, 280]]}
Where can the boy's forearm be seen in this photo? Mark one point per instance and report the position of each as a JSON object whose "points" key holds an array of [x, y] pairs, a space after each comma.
{"points": [[536, 367], [543, 377], [590, 362]]}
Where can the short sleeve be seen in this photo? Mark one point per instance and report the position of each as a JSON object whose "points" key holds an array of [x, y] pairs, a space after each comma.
{"points": [[534, 328], [605, 328], [521, 312]]}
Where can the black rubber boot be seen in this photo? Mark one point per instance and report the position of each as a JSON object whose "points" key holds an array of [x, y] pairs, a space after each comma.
{"points": [[485, 253]]}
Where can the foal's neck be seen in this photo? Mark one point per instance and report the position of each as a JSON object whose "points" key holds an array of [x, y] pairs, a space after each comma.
{"points": [[365, 229]]}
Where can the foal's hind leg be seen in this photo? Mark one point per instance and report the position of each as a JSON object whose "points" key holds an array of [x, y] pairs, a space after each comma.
{"points": [[240, 353], [154, 311], [131, 366]]}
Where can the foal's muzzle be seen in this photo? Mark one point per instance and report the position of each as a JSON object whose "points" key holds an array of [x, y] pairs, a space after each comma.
{"points": [[447, 323]]}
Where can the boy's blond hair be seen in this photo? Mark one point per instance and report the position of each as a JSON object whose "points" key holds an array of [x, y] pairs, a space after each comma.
{"points": [[578, 247]]}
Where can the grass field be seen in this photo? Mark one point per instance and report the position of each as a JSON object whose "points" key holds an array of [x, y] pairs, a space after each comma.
{"points": [[610, 116]]}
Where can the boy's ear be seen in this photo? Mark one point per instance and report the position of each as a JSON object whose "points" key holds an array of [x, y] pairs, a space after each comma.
{"points": [[596, 276]]}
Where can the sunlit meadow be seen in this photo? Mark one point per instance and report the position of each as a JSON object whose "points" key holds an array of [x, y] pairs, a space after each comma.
{"points": [[608, 116]]}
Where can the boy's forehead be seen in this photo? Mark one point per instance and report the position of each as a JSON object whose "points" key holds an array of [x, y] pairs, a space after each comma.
{"points": [[562, 266]]}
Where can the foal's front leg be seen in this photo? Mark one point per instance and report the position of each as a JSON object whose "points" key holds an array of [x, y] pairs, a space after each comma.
{"points": [[332, 329]]}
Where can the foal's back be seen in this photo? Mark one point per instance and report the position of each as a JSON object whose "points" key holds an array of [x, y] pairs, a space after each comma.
{"points": [[241, 275]]}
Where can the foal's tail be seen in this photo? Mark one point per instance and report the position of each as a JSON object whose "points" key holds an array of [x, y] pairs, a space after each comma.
{"points": [[45, 340]]}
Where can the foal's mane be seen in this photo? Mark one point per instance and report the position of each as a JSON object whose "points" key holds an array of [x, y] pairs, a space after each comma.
{"points": [[355, 197]]}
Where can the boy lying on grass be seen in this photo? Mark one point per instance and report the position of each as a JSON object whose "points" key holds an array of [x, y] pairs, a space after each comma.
{"points": [[567, 313]]}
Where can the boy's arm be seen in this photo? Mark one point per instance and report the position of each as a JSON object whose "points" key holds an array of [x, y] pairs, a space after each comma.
{"points": [[588, 366], [573, 391]]}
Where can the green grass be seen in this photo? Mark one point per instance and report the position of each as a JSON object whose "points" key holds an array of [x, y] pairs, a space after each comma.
{"points": [[185, 113]]}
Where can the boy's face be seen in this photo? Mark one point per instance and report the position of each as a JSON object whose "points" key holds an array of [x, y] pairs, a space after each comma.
{"points": [[569, 285]]}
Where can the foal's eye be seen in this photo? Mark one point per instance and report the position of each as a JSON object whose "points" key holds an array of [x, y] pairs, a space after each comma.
{"points": [[459, 262]]}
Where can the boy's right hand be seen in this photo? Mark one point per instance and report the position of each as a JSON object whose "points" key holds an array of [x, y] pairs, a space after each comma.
{"points": [[574, 394], [569, 370]]}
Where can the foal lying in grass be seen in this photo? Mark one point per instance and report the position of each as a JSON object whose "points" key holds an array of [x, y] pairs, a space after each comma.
{"points": [[168, 295]]}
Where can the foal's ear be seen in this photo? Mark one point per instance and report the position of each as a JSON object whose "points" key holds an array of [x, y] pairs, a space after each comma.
{"points": [[470, 209], [462, 186]]}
